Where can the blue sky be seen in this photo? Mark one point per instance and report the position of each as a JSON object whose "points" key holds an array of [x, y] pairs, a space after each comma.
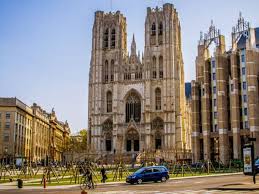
{"points": [[45, 45]]}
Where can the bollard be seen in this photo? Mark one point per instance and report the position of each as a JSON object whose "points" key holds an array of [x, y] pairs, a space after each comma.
{"points": [[83, 192], [44, 181]]}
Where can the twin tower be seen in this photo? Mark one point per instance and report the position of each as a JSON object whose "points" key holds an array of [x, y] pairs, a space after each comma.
{"points": [[137, 103]]}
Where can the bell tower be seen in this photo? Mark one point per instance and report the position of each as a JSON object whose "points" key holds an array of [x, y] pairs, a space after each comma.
{"points": [[109, 47]]}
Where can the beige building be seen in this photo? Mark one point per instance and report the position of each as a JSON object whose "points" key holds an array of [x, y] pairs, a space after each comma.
{"points": [[30, 132], [225, 94], [137, 103]]}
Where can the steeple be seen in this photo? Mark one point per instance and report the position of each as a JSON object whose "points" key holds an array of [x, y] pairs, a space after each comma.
{"points": [[133, 46]]}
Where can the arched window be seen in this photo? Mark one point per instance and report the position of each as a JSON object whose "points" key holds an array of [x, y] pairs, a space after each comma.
{"points": [[160, 29], [106, 75], [112, 70], [109, 101], [107, 133], [133, 108], [160, 67], [153, 29], [154, 67], [158, 98], [113, 38], [105, 38]]}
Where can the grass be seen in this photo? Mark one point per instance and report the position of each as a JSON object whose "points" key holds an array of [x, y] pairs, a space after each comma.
{"points": [[110, 174]]}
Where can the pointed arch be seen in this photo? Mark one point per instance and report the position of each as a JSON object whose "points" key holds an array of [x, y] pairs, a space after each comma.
{"points": [[160, 66], [153, 29], [133, 107], [107, 128], [158, 98], [157, 128], [113, 38], [160, 29], [109, 101], [154, 67], [112, 70], [106, 38], [106, 73]]}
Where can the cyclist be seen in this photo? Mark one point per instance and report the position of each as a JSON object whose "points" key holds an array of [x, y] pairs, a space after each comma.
{"points": [[89, 176]]}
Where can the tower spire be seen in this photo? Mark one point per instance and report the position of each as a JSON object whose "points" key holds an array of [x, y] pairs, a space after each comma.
{"points": [[133, 46]]}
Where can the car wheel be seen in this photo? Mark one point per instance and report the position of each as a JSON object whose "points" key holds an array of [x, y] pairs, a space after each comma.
{"points": [[132, 183], [163, 179], [139, 181]]}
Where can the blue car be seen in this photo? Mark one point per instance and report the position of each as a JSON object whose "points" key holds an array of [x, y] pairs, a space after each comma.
{"points": [[257, 166], [146, 174]]}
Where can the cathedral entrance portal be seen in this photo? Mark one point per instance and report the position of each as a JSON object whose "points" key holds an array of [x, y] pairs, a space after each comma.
{"points": [[132, 140]]}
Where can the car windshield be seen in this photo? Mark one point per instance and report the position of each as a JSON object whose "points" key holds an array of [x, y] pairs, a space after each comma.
{"points": [[139, 171], [257, 162]]}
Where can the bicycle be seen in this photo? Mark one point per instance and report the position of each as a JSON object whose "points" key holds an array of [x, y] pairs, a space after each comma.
{"points": [[85, 183]]}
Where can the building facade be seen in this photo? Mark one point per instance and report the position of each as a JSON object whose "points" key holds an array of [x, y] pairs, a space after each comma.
{"points": [[30, 132], [137, 103], [225, 94]]}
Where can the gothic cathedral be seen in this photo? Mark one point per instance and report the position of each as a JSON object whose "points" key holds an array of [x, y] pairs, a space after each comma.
{"points": [[137, 102]]}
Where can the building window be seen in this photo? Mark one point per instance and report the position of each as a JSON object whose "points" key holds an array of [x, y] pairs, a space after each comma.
{"points": [[109, 101], [246, 125], [245, 111], [215, 115], [112, 70], [203, 91], [158, 98], [7, 115], [214, 89], [215, 102], [232, 88], [245, 98], [7, 125], [113, 38], [243, 70], [213, 64], [214, 76], [133, 108], [105, 38], [160, 67], [160, 29], [6, 138], [154, 67], [216, 127], [242, 58], [106, 69], [244, 85], [153, 29]]}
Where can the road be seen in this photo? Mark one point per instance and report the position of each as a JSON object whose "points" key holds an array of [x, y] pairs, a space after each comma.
{"points": [[188, 186]]}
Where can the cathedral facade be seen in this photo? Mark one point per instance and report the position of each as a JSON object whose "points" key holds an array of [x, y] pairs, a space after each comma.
{"points": [[137, 103]]}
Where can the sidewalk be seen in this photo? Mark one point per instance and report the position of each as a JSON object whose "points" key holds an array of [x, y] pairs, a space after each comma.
{"points": [[6, 186]]}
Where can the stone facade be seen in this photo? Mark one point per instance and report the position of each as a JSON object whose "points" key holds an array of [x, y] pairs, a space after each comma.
{"points": [[137, 103], [36, 133], [225, 94]]}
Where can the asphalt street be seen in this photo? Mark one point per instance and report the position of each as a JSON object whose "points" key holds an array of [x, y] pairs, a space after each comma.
{"points": [[193, 185]]}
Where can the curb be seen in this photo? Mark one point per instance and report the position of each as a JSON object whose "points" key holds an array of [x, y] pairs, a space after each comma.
{"points": [[121, 182]]}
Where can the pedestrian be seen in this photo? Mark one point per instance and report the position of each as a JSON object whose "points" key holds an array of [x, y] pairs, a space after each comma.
{"points": [[103, 173]]}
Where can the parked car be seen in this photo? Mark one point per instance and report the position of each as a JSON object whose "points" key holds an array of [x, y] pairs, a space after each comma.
{"points": [[146, 174]]}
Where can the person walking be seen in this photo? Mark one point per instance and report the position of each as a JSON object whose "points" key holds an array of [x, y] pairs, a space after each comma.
{"points": [[103, 173]]}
